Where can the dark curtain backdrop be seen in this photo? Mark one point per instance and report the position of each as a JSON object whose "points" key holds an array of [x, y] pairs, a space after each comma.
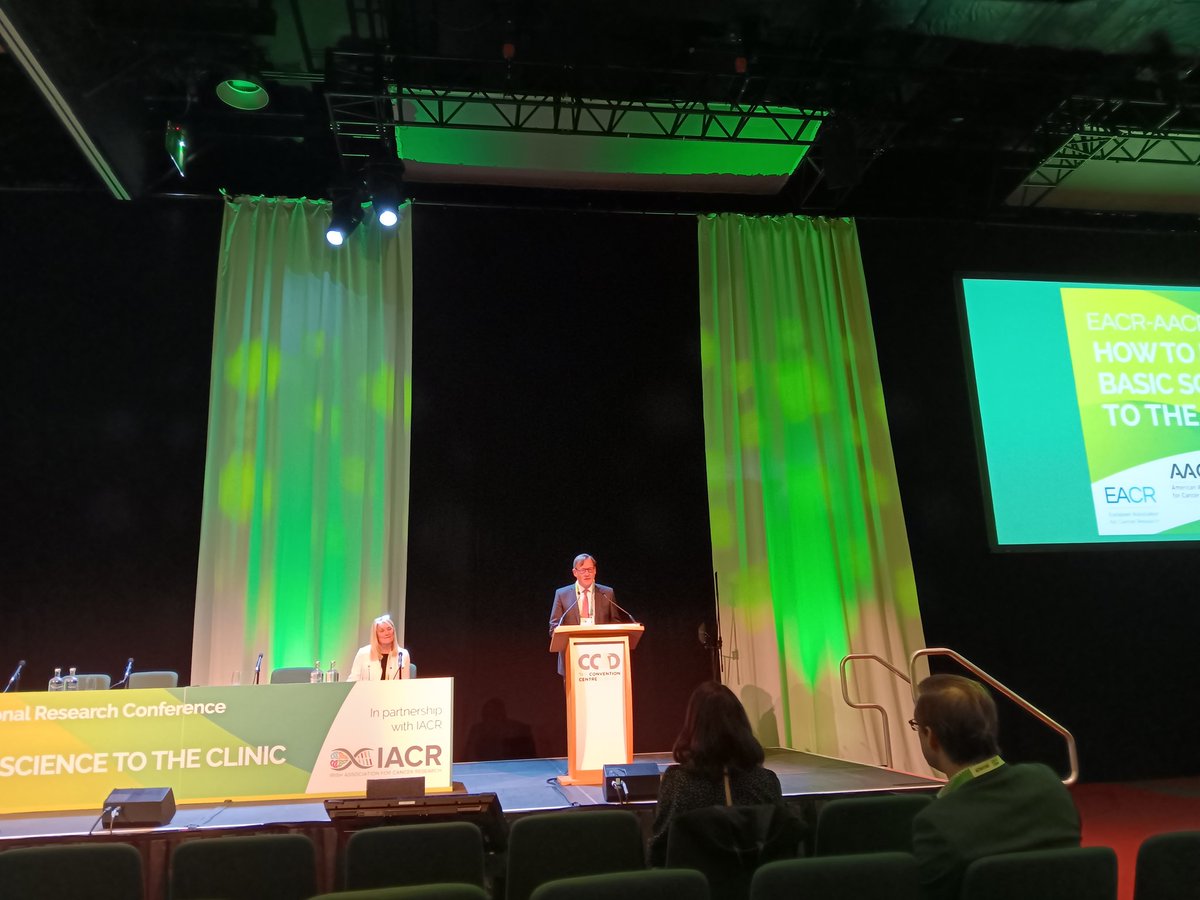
{"points": [[555, 367], [556, 410], [1099, 639], [106, 315]]}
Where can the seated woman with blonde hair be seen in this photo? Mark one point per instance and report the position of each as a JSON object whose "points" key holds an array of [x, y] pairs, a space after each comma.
{"points": [[720, 763], [380, 660]]}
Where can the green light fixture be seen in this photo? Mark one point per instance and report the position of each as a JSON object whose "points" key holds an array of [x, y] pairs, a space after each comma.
{"points": [[243, 92], [178, 146]]}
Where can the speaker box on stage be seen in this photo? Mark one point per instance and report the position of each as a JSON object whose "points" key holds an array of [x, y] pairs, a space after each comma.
{"points": [[140, 806], [632, 781]]}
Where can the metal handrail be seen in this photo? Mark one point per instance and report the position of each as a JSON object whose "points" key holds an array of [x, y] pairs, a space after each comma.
{"points": [[887, 732], [1072, 755]]}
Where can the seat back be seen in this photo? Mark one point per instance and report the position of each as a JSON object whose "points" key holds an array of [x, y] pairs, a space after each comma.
{"points": [[728, 843], [72, 872], [412, 892], [414, 854], [94, 682], [1168, 867], [1081, 873], [881, 824], [550, 846], [160, 679], [258, 867], [650, 884], [865, 876], [291, 675]]}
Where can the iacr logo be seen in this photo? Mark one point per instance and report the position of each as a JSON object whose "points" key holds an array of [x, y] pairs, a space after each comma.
{"points": [[341, 759]]}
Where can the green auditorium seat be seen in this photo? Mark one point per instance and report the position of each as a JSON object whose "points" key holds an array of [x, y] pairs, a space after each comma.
{"points": [[550, 846], [255, 867], [415, 854], [98, 871], [651, 884], [728, 843], [412, 892], [1076, 873], [881, 824], [864, 876], [1168, 867]]}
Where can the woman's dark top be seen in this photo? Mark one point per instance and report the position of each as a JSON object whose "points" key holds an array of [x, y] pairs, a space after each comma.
{"points": [[682, 791]]}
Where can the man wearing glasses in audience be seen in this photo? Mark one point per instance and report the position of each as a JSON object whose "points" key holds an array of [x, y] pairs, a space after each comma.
{"points": [[988, 806], [585, 602]]}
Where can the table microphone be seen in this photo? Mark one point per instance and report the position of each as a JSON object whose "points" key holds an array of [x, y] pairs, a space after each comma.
{"points": [[16, 677]]}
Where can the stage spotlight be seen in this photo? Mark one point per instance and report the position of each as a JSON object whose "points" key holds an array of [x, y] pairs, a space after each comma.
{"points": [[347, 213], [243, 90], [386, 199]]}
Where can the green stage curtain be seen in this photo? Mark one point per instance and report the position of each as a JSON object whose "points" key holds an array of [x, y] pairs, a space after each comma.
{"points": [[808, 535], [305, 520]]}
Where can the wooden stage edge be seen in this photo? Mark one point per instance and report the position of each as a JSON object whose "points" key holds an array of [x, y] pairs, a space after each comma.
{"points": [[523, 786]]}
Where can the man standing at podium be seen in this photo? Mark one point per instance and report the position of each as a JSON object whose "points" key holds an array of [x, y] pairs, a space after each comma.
{"points": [[584, 602]]}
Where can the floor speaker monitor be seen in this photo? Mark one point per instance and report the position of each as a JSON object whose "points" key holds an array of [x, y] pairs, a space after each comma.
{"points": [[139, 807], [632, 781]]}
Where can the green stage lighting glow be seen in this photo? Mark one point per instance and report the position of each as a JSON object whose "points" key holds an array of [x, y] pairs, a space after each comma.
{"points": [[651, 139], [176, 142], [241, 93]]}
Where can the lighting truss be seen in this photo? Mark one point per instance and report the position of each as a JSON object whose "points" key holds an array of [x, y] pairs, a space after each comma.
{"points": [[360, 118], [1094, 129]]}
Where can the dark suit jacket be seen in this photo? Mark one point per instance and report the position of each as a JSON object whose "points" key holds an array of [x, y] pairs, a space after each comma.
{"points": [[564, 602], [1012, 808]]}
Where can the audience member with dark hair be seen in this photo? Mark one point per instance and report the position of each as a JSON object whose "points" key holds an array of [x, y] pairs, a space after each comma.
{"points": [[720, 762], [987, 806]]}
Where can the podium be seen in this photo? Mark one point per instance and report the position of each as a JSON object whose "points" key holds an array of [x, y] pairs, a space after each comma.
{"points": [[599, 683]]}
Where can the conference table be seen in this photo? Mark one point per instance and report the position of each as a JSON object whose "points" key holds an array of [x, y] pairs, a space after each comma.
{"points": [[69, 750]]}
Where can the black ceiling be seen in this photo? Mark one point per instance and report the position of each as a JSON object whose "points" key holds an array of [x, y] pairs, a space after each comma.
{"points": [[939, 107]]}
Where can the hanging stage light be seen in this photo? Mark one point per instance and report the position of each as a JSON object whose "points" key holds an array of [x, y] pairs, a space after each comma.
{"points": [[386, 207], [177, 145], [347, 213], [386, 199], [243, 90]]}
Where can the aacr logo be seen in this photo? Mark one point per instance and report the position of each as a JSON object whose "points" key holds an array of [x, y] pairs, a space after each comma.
{"points": [[1187, 470]]}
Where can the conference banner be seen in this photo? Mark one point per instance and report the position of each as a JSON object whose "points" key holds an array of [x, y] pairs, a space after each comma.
{"points": [[1088, 405], [1137, 377], [66, 751]]}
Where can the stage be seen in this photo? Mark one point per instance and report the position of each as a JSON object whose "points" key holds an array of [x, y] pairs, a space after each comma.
{"points": [[523, 786]]}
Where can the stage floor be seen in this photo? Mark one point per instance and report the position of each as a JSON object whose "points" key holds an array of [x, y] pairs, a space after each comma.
{"points": [[522, 785]]}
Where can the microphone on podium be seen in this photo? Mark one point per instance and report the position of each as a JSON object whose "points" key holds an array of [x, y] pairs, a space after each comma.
{"points": [[555, 624], [258, 668], [628, 615]]}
